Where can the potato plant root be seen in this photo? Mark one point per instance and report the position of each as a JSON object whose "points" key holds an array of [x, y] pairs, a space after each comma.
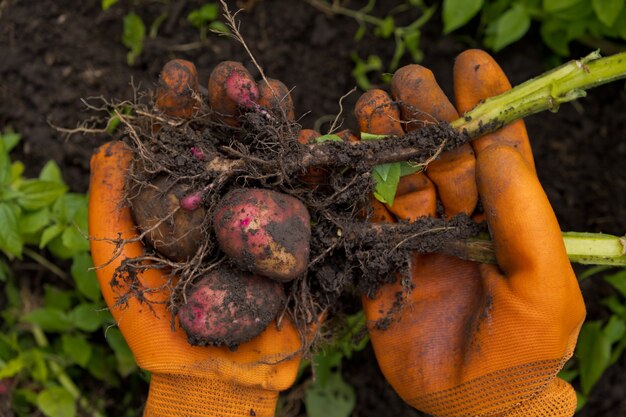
{"points": [[207, 157]]}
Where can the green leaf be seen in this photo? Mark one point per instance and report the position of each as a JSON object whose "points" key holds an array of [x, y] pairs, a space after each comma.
{"points": [[38, 193], [412, 43], [618, 281], [17, 169], [457, 13], [594, 353], [614, 329], [74, 240], [219, 27], [56, 298], [335, 398], [39, 369], [50, 233], [133, 36], [67, 207], [33, 222], [386, 27], [51, 172], [556, 35], [568, 375], [607, 10], [556, 5], [5, 165], [125, 359], [76, 347], [86, 317], [107, 4], [12, 367], [203, 15], [49, 319], [615, 305], [56, 401], [385, 190], [508, 28], [407, 168], [10, 139], [326, 138], [383, 170], [85, 278], [11, 241]]}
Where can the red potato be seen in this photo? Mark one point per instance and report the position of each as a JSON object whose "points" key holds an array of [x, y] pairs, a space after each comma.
{"points": [[231, 86], [229, 307], [264, 232], [178, 236]]}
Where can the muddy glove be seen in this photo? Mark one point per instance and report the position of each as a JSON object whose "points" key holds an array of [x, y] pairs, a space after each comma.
{"points": [[186, 380], [473, 339]]}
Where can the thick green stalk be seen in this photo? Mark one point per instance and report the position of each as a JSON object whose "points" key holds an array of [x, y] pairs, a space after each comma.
{"points": [[545, 92], [582, 248]]}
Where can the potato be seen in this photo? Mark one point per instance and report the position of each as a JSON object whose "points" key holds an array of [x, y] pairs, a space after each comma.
{"points": [[229, 307], [264, 232], [178, 236]]}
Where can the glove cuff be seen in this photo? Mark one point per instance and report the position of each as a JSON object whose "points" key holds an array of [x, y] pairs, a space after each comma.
{"points": [[191, 396], [557, 400]]}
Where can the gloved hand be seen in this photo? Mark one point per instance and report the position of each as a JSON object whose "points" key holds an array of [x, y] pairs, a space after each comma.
{"points": [[186, 380], [473, 339]]}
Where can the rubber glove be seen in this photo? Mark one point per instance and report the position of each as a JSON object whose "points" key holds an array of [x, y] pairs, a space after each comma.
{"points": [[473, 339], [186, 380]]}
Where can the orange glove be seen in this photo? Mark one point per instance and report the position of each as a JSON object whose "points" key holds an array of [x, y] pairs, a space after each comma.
{"points": [[473, 339], [186, 380]]}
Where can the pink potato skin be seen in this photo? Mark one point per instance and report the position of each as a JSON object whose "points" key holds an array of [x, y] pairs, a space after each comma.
{"points": [[264, 232], [229, 307]]}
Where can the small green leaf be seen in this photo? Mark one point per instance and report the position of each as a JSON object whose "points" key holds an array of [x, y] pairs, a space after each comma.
{"points": [[383, 170], [386, 27], [457, 13], [76, 347], [607, 10], [327, 138], [51, 172], [407, 168], [219, 27], [508, 28], [50, 233], [335, 398], [86, 317], [618, 281], [412, 43], [385, 190], [10, 239], [56, 401], [593, 353], [35, 221], [12, 367], [49, 319], [39, 369], [17, 169], [556, 5], [614, 329], [56, 298], [85, 278], [107, 4], [125, 359], [38, 193], [10, 139], [568, 375], [5, 165], [555, 34], [133, 36], [74, 240], [204, 15]]}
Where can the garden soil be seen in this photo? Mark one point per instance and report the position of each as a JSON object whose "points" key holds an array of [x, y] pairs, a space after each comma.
{"points": [[54, 53]]}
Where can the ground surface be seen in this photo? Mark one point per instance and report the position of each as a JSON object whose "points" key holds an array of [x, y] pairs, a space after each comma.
{"points": [[60, 51]]}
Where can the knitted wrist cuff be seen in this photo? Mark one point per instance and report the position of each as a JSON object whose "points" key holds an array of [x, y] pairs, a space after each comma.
{"points": [[190, 396]]}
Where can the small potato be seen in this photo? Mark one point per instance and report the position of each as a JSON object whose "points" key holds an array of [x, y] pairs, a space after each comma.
{"points": [[177, 89], [264, 232], [179, 236], [229, 307]]}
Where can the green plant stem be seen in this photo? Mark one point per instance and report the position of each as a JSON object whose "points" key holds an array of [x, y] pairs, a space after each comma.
{"points": [[545, 92], [45, 263], [582, 248], [63, 378]]}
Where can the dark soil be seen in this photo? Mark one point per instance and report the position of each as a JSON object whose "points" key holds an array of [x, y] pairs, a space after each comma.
{"points": [[58, 52]]}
